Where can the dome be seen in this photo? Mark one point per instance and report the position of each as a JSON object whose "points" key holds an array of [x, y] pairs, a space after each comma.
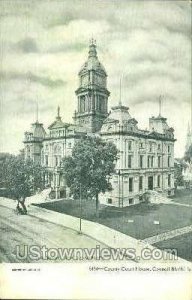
{"points": [[92, 62]]}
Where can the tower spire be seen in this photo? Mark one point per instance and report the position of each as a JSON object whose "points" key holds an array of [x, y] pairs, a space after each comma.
{"points": [[92, 48], [37, 112]]}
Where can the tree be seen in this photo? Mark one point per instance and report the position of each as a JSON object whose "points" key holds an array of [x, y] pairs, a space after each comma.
{"points": [[188, 155], [21, 178], [89, 168], [178, 175], [4, 158]]}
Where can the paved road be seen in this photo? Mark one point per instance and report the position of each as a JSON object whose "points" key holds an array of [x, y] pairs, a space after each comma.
{"points": [[27, 230]]}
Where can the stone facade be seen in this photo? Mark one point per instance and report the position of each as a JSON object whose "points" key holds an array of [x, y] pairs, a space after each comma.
{"points": [[146, 157]]}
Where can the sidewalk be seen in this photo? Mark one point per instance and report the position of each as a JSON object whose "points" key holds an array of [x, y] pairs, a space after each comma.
{"points": [[103, 234], [168, 235]]}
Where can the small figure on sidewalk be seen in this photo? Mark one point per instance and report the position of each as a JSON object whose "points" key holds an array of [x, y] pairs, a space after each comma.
{"points": [[21, 208]]}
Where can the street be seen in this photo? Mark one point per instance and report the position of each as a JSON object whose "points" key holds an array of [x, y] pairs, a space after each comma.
{"points": [[28, 230]]}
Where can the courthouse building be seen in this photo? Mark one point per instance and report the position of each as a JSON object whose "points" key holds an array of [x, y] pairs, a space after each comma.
{"points": [[146, 157]]}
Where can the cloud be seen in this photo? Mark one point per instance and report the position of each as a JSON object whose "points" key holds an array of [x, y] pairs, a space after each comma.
{"points": [[44, 44], [67, 47], [45, 81], [27, 45]]}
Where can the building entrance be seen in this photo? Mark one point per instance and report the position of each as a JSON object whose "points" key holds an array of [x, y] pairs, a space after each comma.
{"points": [[150, 183]]}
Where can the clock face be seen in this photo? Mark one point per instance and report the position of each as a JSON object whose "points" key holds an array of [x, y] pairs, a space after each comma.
{"points": [[84, 80]]}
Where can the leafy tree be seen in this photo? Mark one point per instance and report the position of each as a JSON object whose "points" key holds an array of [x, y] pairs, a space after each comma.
{"points": [[21, 178], [89, 168], [178, 168], [4, 157]]}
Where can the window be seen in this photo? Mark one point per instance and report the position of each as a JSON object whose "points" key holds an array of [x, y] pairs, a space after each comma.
{"points": [[169, 180], [129, 145], [148, 161], [56, 161], [82, 103], [100, 103], [158, 181], [129, 161], [141, 183], [141, 161], [109, 200], [130, 184], [46, 160], [159, 147], [169, 148], [169, 160], [152, 161], [131, 201], [159, 161], [141, 145], [150, 147]]}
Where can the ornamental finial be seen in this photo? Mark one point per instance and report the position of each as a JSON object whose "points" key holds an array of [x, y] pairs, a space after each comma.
{"points": [[92, 41], [58, 113]]}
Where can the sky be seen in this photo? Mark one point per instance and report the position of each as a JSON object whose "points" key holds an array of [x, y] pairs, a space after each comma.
{"points": [[43, 45]]}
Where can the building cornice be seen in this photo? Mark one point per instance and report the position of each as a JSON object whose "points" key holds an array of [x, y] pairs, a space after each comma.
{"points": [[138, 134]]}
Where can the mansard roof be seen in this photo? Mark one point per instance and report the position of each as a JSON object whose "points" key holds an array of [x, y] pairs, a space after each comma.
{"points": [[118, 117], [36, 134], [119, 121], [38, 130]]}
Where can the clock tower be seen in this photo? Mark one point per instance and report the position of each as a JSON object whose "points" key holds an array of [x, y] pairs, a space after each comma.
{"points": [[92, 93]]}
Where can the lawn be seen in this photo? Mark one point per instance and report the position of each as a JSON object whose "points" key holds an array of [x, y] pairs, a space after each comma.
{"points": [[143, 216], [182, 243], [183, 196]]}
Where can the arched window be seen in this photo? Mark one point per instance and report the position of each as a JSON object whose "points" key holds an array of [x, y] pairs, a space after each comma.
{"points": [[82, 103]]}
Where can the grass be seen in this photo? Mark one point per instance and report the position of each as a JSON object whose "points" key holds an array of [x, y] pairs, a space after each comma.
{"points": [[182, 243], [183, 196], [143, 215]]}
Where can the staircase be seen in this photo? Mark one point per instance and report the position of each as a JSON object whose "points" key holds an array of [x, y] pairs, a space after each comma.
{"points": [[157, 198], [40, 197]]}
